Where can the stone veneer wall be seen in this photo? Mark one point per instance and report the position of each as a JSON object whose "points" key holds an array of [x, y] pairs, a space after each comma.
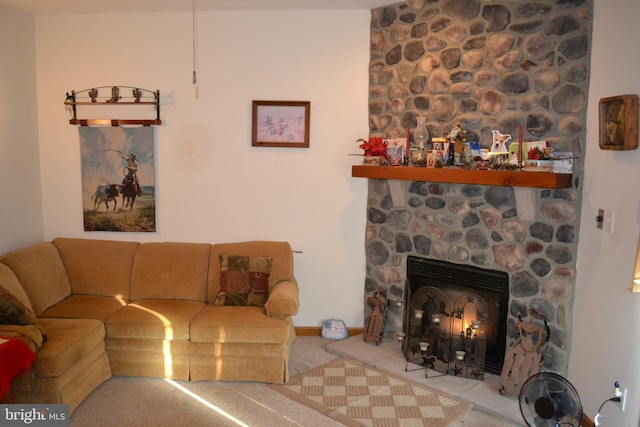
{"points": [[487, 66]]}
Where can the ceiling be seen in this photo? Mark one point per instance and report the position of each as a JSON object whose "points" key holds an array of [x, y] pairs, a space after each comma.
{"points": [[80, 7]]}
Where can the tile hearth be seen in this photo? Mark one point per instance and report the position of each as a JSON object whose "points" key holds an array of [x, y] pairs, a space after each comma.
{"points": [[388, 356]]}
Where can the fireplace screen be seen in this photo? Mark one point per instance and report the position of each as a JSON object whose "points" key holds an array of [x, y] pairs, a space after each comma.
{"points": [[455, 318], [447, 338]]}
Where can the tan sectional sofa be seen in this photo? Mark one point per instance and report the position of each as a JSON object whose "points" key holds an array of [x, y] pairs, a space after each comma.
{"points": [[144, 309]]}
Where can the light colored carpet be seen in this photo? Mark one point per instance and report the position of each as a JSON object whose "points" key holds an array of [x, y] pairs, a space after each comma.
{"points": [[137, 401], [359, 395]]}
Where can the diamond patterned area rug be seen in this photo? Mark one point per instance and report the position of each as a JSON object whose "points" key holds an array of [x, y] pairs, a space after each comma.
{"points": [[355, 394]]}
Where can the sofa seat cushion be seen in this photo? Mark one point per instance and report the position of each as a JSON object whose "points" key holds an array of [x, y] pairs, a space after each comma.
{"points": [[70, 388], [68, 342], [149, 357], [154, 319], [85, 307], [147, 346], [238, 325], [31, 382], [141, 364], [234, 350], [264, 362]]}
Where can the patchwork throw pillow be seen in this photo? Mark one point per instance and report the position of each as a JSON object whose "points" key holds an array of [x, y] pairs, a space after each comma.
{"points": [[244, 280], [13, 312]]}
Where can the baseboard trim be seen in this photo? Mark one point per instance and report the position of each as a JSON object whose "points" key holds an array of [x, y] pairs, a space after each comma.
{"points": [[309, 331]]}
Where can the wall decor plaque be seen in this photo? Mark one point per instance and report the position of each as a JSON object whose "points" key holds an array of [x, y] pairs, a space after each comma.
{"points": [[618, 118]]}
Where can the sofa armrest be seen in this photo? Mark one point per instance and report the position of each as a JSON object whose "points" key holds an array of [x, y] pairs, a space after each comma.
{"points": [[29, 334], [283, 299]]}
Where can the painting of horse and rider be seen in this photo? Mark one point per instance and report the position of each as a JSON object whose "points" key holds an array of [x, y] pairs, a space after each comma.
{"points": [[118, 178]]}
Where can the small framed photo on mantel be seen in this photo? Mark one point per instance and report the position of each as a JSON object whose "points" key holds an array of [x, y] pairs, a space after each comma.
{"points": [[280, 124], [618, 118]]}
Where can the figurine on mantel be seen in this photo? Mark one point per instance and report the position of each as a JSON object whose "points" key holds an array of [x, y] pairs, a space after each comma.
{"points": [[456, 138], [498, 154], [499, 144]]}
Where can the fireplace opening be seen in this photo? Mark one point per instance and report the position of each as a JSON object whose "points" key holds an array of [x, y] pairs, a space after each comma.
{"points": [[456, 281]]}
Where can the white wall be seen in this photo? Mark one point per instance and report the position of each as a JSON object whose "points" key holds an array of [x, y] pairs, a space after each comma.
{"points": [[212, 186], [20, 197], [606, 340]]}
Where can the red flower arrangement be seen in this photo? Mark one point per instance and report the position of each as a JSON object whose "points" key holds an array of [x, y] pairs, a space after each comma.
{"points": [[375, 146]]}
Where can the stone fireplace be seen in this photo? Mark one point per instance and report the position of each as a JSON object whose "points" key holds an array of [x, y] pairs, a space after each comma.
{"points": [[486, 66], [529, 234]]}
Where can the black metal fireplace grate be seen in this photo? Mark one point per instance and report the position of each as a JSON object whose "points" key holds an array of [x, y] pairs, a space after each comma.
{"points": [[457, 279]]}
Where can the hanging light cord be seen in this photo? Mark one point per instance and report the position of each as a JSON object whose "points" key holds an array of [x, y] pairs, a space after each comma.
{"points": [[193, 26]]}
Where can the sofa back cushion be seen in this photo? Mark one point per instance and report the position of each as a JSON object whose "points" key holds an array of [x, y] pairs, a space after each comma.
{"points": [[170, 271], [98, 267], [41, 273], [9, 281], [15, 307], [279, 252]]}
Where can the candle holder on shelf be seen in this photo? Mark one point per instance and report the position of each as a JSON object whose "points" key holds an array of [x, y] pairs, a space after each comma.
{"points": [[397, 302]]}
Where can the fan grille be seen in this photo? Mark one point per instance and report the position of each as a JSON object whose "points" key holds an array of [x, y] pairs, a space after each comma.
{"points": [[548, 399]]}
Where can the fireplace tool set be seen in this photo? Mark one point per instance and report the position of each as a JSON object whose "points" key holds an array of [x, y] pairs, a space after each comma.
{"points": [[524, 357]]}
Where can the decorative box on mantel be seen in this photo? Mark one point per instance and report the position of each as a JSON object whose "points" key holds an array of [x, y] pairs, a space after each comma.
{"points": [[397, 174]]}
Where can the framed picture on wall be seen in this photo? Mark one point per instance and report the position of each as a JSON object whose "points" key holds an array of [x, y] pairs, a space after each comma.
{"points": [[618, 118], [280, 124]]}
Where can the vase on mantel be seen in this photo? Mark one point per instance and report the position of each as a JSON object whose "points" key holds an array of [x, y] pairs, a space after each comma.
{"points": [[421, 134], [371, 161]]}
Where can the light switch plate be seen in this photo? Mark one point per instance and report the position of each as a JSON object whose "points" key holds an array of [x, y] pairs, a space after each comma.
{"points": [[607, 223]]}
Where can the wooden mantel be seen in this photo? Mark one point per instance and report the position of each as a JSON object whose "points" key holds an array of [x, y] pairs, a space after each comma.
{"points": [[466, 176]]}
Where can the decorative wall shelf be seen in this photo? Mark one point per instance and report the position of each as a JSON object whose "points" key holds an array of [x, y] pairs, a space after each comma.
{"points": [[90, 97], [466, 176]]}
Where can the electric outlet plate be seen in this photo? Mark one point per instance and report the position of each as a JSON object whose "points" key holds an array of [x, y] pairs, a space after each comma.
{"points": [[621, 392], [623, 398]]}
